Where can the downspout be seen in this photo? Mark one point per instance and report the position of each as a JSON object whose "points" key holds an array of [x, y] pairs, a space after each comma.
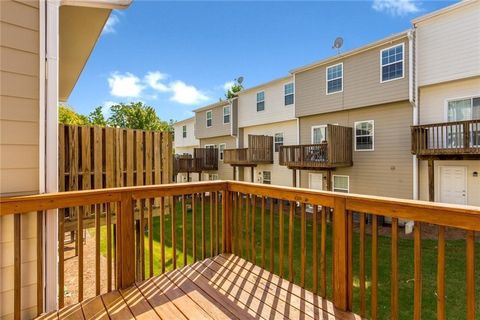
{"points": [[298, 173], [413, 98], [51, 150]]}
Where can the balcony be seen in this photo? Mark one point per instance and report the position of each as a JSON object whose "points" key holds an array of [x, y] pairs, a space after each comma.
{"points": [[203, 159], [333, 153], [448, 140], [241, 250], [259, 151]]}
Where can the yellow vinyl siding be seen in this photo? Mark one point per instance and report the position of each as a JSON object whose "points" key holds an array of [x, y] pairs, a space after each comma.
{"points": [[217, 129]]}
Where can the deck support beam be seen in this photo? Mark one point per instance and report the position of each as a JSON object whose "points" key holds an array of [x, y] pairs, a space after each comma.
{"points": [[329, 180], [235, 173], [431, 180], [252, 178], [294, 178]]}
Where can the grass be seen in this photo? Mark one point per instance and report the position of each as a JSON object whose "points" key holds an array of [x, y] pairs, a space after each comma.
{"points": [[455, 262]]}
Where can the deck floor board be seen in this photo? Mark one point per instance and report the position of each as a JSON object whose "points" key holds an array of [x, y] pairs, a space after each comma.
{"points": [[222, 287]]}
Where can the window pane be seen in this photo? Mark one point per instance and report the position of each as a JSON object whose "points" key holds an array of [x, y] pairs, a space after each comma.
{"points": [[260, 96], [319, 135], [288, 99], [267, 178], [226, 118], [335, 85], [365, 143], [278, 141], [460, 110], [209, 122], [260, 106], [289, 88], [476, 109], [340, 183], [392, 71]]}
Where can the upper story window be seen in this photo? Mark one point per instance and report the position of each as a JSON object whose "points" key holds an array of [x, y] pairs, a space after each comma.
{"points": [[260, 101], [335, 78], [341, 183], [184, 131], [226, 114], [463, 109], [278, 142], [267, 177], [392, 63], [319, 134], [221, 149], [289, 93], [209, 119], [364, 135]]}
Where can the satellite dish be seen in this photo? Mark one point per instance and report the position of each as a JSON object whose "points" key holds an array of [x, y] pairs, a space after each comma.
{"points": [[240, 80], [337, 44]]}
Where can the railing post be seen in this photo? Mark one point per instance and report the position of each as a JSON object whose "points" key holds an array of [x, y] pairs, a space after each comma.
{"points": [[340, 254], [226, 221], [466, 135], [125, 242]]}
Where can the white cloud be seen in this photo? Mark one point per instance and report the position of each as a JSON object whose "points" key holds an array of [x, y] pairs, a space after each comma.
{"points": [[153, 79], [125, 85], [228, 85], [106, 108], [112, 22], [186, 94], [396, 7]]}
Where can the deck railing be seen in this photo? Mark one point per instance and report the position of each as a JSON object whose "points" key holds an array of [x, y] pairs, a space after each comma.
{"points": [[259, 151], [335, 152], [448, 138], [326, 242], [203, 159]]}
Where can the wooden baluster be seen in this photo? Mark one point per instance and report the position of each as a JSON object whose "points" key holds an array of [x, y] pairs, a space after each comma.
{"points": [[125, 241], [236, 206], [417, 295], [40, 262], [394, 277], [109, 246], [150, 236], [374, 292], [441, 274], [141, 239], [98, 208], [211, 224], [17, 263], [471, 275], [281, 227], [61, 258], [303, 245], [263, 231], [80, 252], [194, 233], [204, 249], [314, 250], [247, 226], [340, 249], [162, 233], [363, 302], [254, 208], [217, 225], [350, 259], [323, 254], [184, 229], [240, 225], [174, 233], [291, 271], [272, 226]]}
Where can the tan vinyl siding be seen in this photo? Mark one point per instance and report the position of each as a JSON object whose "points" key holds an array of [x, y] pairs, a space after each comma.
{"points": [[225, 171], [386, 171], [19, 142], [217, 129], [361, 84]]}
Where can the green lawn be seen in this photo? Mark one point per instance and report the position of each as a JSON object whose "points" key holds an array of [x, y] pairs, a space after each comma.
{"points": [[455, 253]]}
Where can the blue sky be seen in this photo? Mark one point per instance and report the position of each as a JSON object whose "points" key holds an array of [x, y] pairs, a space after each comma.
{"points": [[177, 56]]}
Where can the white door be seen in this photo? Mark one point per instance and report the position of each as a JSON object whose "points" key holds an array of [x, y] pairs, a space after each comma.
{"points": [[453, 184], [315, 181]]}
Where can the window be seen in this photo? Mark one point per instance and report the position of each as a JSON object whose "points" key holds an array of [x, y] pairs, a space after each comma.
{"points": [[278, 142], [210, 146], [226, 114], [335, 78], [289, 93], [184, 131], [341, 183], [209, 119], [212, 176], [221, 148], [319, 134], [364, 134], [391, 60], [267, 177], [463, 109], [260, 101]]}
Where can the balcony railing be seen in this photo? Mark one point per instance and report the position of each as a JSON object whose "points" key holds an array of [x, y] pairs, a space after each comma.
{"points": [[335, 152], [259, 151], [203, 159], [284, 230], [447, 139]]}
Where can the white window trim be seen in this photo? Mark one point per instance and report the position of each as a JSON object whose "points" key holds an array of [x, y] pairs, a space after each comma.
{"points": [[316, 127], [256, 101], [355, 135], [263, 177], [186, 132], [220, 150], [403, 62], [283, 140], [445, 109], [285, 94], [326, 78], [229, 114], [339, 175], [206, 118]]}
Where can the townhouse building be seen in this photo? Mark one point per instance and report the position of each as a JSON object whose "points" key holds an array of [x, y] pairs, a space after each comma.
{"points": [[354, 110], [185, 143], [446, 138]]}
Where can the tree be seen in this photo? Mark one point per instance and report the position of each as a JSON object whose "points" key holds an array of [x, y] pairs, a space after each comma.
{"points": [[136, 115], [66, 115], [234, 89], [96, 117]]}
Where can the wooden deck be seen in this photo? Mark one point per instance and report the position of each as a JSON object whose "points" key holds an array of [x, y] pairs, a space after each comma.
{"points": [[223, 287]]}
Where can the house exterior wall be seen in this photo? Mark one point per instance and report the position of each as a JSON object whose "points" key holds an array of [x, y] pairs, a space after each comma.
{"points": [[448, 46], [361, 83], [19, 142], [386, 171], [275, 108], [190, 140], [225, 171], [218, 128], [280, 175], [182, 176]]}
